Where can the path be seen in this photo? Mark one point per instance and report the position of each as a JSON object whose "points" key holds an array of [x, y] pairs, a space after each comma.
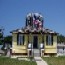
{"points": [[40, 61], [8, 53]]}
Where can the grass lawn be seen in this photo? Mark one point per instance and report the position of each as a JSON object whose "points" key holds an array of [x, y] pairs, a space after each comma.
{"points": [[9, 61], [55, 60]]}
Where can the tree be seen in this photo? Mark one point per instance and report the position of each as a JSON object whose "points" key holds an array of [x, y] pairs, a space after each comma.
{"points": [[8, 39], [61, 39], [1, 38]]}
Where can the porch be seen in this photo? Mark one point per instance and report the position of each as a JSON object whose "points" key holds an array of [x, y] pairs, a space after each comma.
{"points": [[35, 45]]}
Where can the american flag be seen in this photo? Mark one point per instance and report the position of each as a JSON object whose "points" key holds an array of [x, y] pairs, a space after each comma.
{"points": [[38, 23]]}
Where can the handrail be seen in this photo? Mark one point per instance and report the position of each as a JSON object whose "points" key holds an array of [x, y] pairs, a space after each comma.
{"points": [[41, 46], [29, 45]]}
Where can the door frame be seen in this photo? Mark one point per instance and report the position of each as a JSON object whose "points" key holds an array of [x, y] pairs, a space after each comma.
{"points": [[37, 40]]}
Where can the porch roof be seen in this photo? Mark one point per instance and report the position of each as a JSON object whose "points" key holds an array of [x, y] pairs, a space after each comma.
{"points": [[27, 30]]}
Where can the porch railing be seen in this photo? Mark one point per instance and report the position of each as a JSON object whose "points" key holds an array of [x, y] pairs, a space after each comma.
{"points": [[30, 49], [42, 49]]}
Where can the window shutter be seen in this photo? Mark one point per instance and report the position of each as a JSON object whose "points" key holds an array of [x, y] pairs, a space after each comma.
{"points": [[52, 39], [23, 39], [17, 39], [47, 40]]}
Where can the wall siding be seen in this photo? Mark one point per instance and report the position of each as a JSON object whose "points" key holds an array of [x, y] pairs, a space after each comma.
{"points": [[23, 48], [19, 48], [51, 48]]}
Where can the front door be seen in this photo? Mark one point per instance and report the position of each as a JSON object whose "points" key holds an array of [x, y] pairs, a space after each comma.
{"points": [[35, 42]]}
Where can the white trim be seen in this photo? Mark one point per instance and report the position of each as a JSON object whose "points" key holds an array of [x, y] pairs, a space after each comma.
{"points": [[20, 39]]}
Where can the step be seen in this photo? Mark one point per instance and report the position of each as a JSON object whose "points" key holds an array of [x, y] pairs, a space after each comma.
{"points": [[36, 52]]}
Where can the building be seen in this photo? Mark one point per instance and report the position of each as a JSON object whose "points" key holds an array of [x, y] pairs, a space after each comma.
{"points": [[34, 39], [60, 49]]}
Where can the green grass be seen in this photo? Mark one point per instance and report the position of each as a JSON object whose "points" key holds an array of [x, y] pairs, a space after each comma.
{"points": [[9, 61], [55, 60]]}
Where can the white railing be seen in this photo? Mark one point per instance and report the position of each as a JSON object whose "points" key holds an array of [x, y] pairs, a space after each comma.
{"points": [[29, 45], [41, 46], [30, 49]]}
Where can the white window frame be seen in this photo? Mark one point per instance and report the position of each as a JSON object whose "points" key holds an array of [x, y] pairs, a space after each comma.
{"points": [[20, 39], [49, 40]]}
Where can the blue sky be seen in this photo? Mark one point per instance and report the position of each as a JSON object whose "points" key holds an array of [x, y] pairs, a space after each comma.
{"points": [[13, 13]]}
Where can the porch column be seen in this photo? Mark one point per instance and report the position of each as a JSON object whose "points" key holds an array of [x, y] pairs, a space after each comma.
{"points": [[30, 46]]}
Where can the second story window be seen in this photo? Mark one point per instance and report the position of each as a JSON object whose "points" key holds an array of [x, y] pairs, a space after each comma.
{"points": [[20, 39], [49, 40]]}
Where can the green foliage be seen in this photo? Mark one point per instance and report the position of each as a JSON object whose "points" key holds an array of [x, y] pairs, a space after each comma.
{"points": [[1, 35], [0, 42], [8, 39], [9, 61], [1, 38], [61, 39]]}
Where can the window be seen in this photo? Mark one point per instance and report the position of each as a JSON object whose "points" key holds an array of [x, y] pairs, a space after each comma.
{"points": [[49, 40], [20, 39]]}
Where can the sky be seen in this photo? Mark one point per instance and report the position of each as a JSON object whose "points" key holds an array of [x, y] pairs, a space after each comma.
{"points": [[13, 14]]}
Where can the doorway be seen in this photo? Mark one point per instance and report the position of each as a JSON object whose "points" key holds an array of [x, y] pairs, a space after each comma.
{"points": [[35, 42]]}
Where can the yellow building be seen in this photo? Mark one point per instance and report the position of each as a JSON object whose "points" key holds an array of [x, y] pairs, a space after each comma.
{"points": [[34, 39]]}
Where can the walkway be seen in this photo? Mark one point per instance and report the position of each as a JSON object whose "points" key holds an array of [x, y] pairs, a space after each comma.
{"points": [[8, 53], [40, 61]]}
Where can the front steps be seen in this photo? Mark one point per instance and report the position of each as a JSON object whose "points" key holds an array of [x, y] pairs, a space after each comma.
{"points": [[36, 52]]}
